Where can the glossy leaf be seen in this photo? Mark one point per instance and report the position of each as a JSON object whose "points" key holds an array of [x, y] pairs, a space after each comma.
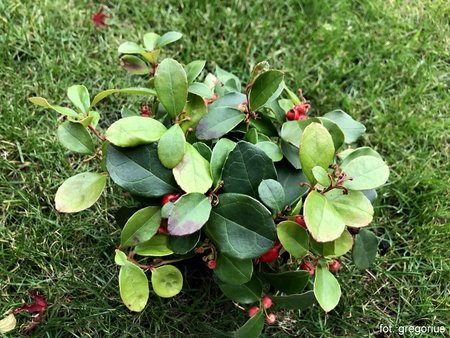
{"points": [[134, 65], [323, 221], [291, 132], [219, 155], [194, 69], [203, 150], [134, 131], [271, 149], [365, 249], [133, 91], [290, 179], [195, 109], [247, 293], [293, 238], [241, 226], [189, 214], [295, 302], [120, 258], [321, 176], [366, 172], [133, 285], [171, 147], [252, 328], [326, 289], [183, 244], [264, 87], [335, 248], [157, 246], [354, 208], [75, 137], [200, 89], [362, 151], [168, 38], [167, 281], [139, 171], [317, 149], [245, 168], [233, 100], [336, 133], [171, 86], [217, 122], [141, 226], [289, 282], [291, 153], [251, 136], [79, 96], [352, 129], [79, 192], [193, 173], [232, 270], [271, 193], [40, 101]]}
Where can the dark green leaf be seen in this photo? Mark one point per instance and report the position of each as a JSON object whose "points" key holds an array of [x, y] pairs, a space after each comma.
{"points": [[244, 293], [293, 238], [252, 328], [141, 226], [295, 302], [352, 129], [183, 244], [264, 87], [289, 281], [219, 155], [194, 69], [251, 136], [365, 249], [291, 153], [171, 147], [217, 122], [75, 137], [336, 133], [203, 149], [271, 193], [259, 69], [290, 179], [241, 226], [232, 270]]}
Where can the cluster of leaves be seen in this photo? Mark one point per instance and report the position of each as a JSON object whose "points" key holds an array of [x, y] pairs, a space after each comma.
{"points": [[225, 175]]}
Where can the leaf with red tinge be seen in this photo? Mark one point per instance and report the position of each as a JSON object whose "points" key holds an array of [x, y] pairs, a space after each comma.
{"points": [[99, 18], [37, 308]]}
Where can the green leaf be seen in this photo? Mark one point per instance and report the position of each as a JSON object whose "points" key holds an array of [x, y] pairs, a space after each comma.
{"points": [[354, 208], [141, 226], [171, 86], [203, 150], [352, 129], [168, 38], [336, 248], [290, 179], [271, 193], [195, 110], [157, 246], [288, 281], [321, 175], [323, 221], [365, 249], [79, 192], [194, 69], [326, 289], [75, 137], [219, 155], [192, 173], [79, 96], [251, 136], [271, 150], [241, 226], [171, 146], [245, 168], [217, 122], [247, 293], [200, 89], [295, 302], [230, 81], [120, 258], [291, 132], [166, 209], [134, 65], [362, 151], [252, 328], [336, 133], [183, 244], [366, 172], [134, 131], [167, 281], [95, 118], [134, 91], [233, 100], [189, 214], [232, 270], [139, 171], [291, 153], [317, 149], [130, 48], [40, 101], [133, 285], [150, 40], [264, 87], [260, 68], [293, 238]]}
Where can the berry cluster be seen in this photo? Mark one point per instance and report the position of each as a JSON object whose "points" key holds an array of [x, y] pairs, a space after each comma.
{"points": [[266, 303], [299, 111]]}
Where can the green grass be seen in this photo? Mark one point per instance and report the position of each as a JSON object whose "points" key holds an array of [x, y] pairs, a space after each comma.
{"points": [[387, 63]]}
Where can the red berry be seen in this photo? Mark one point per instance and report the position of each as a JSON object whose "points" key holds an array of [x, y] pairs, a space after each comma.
{"points": [[302, 117], [271, 318], [170, 198], [308, 266], [269, 256], [290, 115], [277, 244], [212, 264], [300, 221], [267, 302], [334, 266], [145, 111], [252, 311]]}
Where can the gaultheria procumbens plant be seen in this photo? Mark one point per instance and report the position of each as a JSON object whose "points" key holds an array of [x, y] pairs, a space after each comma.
{"points": [[268, 194]]}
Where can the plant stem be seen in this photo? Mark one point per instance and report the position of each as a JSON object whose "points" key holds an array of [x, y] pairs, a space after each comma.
{"points": [[96, 133]]}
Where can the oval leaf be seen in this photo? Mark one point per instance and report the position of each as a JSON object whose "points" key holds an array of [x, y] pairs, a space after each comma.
{"points": [[290, 178], [352, 129], [171, 147], [336, 133], [366, 172], [217, 122], [141, 226], [293, 238], [232, 270], [200, 89], [219, 155], [271, 149], [323, 221], [189, 214], [130, 48], [295, 302], [150, 40], [134, 130], [79, 192], [252, 328], [264, 87], [321, 175], [167, 281], [40, 101], [365, 249], [168, 38], [247, 293], [134, 91], [271, 193], [241, 226], [171, 86], [354, 153], [75, 137], [194, 69], [326, 289], [354, 208], [157, 246], [133, 285], [134, 65], [79, 96], [183, 244], [192, 173], [288, 281]]}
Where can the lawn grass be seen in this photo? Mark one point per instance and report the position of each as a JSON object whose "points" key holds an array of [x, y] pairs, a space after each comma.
{"points": [[386, 63]]}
